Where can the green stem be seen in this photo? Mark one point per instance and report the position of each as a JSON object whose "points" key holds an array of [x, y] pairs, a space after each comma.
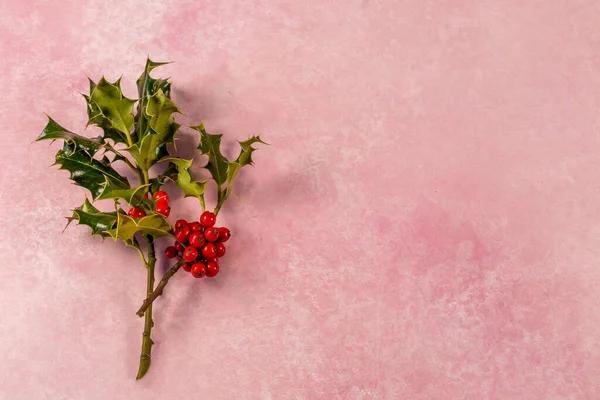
{"points": [[202, 203], [147, 342], [222, 196], [129, 140], [141, 179], [143, 176], [127, 162], [220, 200], [159, 289], [123, 158]]}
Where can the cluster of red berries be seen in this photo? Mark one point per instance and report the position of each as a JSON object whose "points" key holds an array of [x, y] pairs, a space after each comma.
{"points": [[200, 245], [161, 206]]}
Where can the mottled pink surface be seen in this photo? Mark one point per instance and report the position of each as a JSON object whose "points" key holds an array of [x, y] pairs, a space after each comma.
{"points": [[425, 224]]}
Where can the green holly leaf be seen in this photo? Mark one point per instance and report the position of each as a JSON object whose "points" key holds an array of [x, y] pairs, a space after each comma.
{"points": [[95, 117], [100, 222], [112, 190], [184, 179], [160, 130], [245, 157], [217, 163], [148, 86], [155, 225], [91, 146], [110, 108], [88, 172], [54, 131], [160, 109]]}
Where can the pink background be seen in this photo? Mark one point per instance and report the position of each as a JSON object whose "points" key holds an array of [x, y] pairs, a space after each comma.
{"points": [[425, 224]]}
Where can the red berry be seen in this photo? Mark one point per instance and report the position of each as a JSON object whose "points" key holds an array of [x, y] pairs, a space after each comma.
{"points": [[211, 234], [224, 234], [187, 266], [180, 223], [145, 195], [171, 252], [220, 249], [182, 234], [161, 195], [136, 212], [196, 239], [164, 211], [178, 246], [198, 270], [162, 202], [208, 251], [162, 208], [212, 269], [207, 219], [190, 253], [214, 259], [195, 226]]}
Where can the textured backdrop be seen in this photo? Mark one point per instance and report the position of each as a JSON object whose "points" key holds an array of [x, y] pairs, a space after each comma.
{"points": [[424, 225]]}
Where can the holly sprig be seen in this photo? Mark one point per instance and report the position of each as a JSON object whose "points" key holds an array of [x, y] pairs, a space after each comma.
{"points": [[138, 132]]}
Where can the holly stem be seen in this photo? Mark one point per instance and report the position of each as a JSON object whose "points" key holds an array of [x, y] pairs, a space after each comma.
{"points": [[122, 158], [202, 203], [147, 342], [222, 196], [147, 305]]}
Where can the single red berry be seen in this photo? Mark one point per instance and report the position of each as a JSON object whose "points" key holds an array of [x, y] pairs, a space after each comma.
{"points": [[197, 240], [198, 270], [182, 234], [161, 195], [208, 219], [145, 195], [214, 259], [220, 249], [212, 269], [178, 246], [162, 202], [187, 266], [195, 226], [224, 234], [211, 234], [208, 251], [171, 252], [180, 223], [190, 253], [162, 208], [136, 213]]}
